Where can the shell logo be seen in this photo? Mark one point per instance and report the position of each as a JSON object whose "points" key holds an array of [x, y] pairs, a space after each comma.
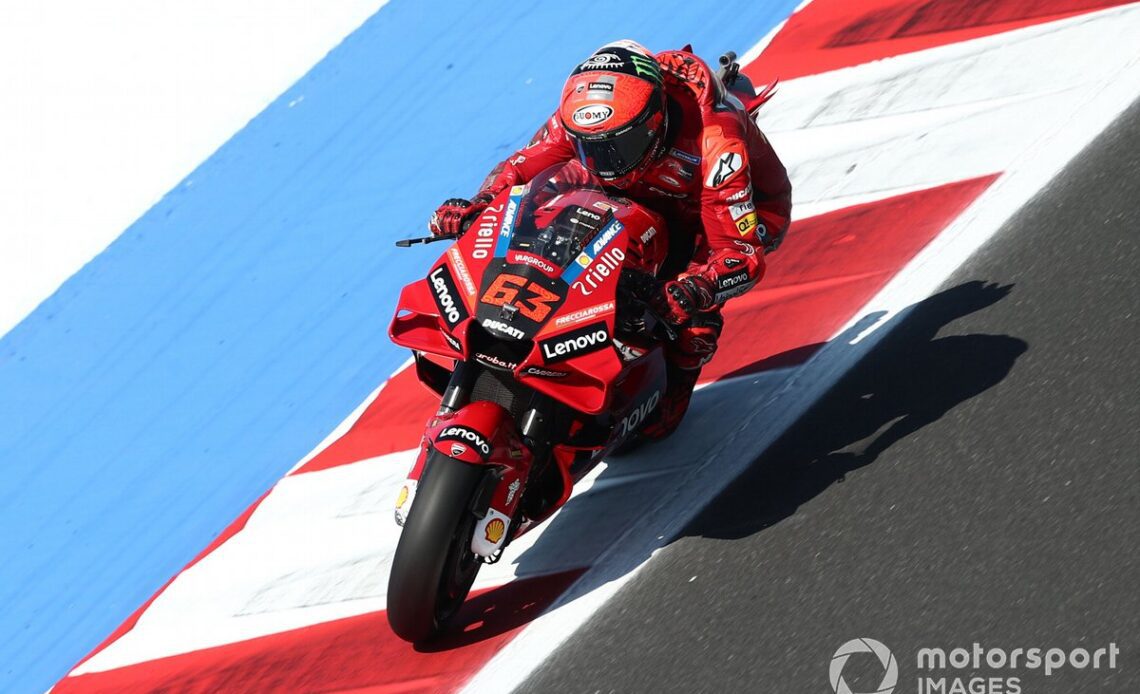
{"points": [[403, 497], [495, 530]]}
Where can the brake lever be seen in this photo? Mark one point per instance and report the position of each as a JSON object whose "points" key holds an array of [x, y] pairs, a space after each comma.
{"points": [[463, 227], [408, 243]]}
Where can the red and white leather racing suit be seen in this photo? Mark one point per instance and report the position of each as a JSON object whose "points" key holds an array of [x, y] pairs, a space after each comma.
{"points": [[718, 182]]}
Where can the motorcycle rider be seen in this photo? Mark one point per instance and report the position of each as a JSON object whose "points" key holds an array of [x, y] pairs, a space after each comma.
{"points": [[663, 130]]}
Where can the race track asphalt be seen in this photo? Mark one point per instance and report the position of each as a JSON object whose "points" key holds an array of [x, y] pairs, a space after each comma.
{"points": [[974, 479]]}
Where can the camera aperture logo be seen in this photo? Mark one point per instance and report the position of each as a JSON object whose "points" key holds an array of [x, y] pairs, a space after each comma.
{"points": [[839, 660], [975, 670]]}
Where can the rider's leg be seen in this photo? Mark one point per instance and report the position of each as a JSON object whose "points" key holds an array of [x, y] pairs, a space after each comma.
{"points": [[695, 345]]}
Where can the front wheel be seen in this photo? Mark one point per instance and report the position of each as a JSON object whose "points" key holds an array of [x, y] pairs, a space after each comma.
{"points": [[434, 566]]}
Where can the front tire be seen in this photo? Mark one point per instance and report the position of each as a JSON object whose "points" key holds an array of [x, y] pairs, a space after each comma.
{"points": [[434, 567]]}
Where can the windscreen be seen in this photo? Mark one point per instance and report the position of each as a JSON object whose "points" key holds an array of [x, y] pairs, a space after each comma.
{"points": [[558, 213]]}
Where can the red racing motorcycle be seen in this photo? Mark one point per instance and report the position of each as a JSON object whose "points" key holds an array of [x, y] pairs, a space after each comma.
{"points": [[535, 330]]}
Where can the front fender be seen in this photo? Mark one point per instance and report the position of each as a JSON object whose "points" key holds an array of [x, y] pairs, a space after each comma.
{"points": [[482, 434]]}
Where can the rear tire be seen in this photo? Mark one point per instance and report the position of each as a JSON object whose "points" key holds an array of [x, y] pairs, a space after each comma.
{"points": [[434, 567]]}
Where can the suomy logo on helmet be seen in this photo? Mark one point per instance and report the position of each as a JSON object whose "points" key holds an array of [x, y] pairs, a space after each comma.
{"points": [[592, 114]]}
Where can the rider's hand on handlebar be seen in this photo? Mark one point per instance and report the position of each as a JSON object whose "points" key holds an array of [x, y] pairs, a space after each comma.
{"points": [[683, 297], [449, 217]]}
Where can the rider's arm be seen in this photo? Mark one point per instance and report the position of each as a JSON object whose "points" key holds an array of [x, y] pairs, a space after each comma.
{"points": [[729, 221], [731, 225], [550, 145], [745, 206]]}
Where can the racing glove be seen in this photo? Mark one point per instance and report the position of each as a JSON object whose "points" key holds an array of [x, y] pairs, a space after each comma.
{"points": [[684, 297], [449, 217]]}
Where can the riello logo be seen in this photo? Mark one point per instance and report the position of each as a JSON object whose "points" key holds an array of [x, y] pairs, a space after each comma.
{"points": [[606, 265]]}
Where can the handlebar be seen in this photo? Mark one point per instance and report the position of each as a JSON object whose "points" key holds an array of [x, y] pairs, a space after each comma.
{"points": [[463, 227], [663, 324], [641, 288]]}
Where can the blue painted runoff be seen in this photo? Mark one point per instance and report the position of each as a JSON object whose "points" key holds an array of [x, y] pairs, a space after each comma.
{"points": [[178, 375]]}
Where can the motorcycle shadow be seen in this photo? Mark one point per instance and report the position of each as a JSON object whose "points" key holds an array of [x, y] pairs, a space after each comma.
{"points": [[491, 613], [910, 379]]}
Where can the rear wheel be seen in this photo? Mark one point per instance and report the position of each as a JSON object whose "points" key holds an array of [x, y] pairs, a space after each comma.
{"points": [[434, 566]]}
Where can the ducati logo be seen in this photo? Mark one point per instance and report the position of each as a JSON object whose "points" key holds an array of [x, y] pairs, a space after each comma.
{"points": [[498, 326], [464, 437]]}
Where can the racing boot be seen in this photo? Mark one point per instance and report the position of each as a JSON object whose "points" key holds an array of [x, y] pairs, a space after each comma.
{"points": [[694, 347], [674, 403]]}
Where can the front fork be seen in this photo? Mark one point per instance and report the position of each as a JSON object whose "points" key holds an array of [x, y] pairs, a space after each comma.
{"points": [[484, 433]]}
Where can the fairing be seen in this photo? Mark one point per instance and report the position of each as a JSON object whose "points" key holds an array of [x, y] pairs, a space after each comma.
{"points": [[531, 287]]}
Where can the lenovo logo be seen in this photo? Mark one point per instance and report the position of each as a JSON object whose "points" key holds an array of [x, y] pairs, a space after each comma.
{"points": [[444, 292], [637, 417], [575, 343], [465, 435]]}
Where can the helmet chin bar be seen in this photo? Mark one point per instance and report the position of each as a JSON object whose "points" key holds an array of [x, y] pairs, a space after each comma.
{"points": [[629, 178], [624, 181], [629, 172]]}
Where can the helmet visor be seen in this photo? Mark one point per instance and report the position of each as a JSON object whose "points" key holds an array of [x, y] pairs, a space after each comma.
{"points": [[614, 154]]}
